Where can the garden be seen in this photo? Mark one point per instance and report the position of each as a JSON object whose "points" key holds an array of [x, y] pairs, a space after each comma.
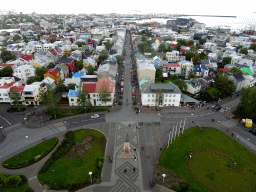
{"points": [[217, 163], [31, 155], [79, 153], [14, 183]]}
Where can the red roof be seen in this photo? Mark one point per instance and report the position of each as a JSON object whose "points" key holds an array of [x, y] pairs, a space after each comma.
{"points": [[26, 57], [6, 65], [19, 89], [7, 85], [90, 87], [173, 45], [173, 65], [53, 51], [53, 72], [225, 69]]}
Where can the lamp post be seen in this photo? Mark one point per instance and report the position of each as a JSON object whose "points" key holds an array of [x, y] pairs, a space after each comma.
{"points": [[90, 173], [163, 178]]}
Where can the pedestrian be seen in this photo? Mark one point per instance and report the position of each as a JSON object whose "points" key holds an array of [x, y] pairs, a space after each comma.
{"points": [[135, 158], [125, 171], [134, 169], [142, 147], [227, 130], [189, 156], [129, 125], [134, 150], [109, 159], [232, 134], [161, 149], [136, 127]]}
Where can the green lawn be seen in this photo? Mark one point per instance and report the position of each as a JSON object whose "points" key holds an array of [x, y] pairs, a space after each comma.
{"points": [[76, 170], [22, 188], [212, 162], [40, 149]]}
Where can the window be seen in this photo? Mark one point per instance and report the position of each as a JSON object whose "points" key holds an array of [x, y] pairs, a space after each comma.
{"points": [[173, 100], [153, 100], [72, 99], [165, 100], [78, 100], [97, 99], [148, 100], [93, 95], [170, 95], [170, 100], [148, 95], [153, 95], [166, 95], [174, 95]]}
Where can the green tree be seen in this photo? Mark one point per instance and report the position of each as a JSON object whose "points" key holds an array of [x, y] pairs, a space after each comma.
{"points": [[239, 47], [159, 97], [178, 46], [40, 72], [71, 86], [51, 65], [189, 55], [253, 46], [90, 69], [169, 49], [235, 70], [16, 38], [161, 48], [7, 71], [53, 40], [244, 51], [181, 84], [119, 59], [182, 41], [80, 43], [196, 59], [82, 97], [190, 43], [202, 41], [203, 55], [105, 95], [79, 65], [191, 74], [64, 55], [5, 55], [108, 45], [62, 88], [102, 57], [49, 100], [226, 60], [247, 107], [33, 79], [15, 97], [224, 85], [143, 38], [159, 73]]}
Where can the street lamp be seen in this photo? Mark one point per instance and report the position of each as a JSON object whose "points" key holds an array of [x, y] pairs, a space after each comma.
{"points": [[90, 173], [163, 177]]}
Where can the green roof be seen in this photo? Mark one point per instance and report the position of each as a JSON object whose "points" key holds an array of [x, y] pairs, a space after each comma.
{"points": [[246, 70], [143, 81], [85, 47]]}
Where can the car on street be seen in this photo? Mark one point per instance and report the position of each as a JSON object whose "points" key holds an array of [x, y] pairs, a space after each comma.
{"points": [[122, 84], [216, 107], [1, 127], [132, 90], [133, 83], [121, 96], [10, 110], [95, 116], [122, 90]]}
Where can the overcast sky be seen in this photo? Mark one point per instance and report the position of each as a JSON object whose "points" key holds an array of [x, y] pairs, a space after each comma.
{"points": [[201, 7]]}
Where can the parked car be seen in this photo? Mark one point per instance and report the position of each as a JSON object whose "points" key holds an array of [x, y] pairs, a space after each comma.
{"points": [[132, 90], [1, 127], [122, 84], [133, 83], [95, 116], [10, 110], [121, 96], [216, 107], [122, 90], [133, 98]]}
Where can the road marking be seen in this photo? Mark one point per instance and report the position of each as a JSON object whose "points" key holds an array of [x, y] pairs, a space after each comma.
{"points": [[6, 120]]}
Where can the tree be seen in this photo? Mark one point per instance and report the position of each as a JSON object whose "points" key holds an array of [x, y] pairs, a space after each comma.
{"points": [[182, 41], [247, 107], [80, 43], [33, 79], [108, 45], [159, 97], [203, 55], [178, 46], [64, 55], [226, 60], [161, 48], [181, 84], [196, 59], [104, 93], [5, 55], [119, 59], [14, 96], [159, 73], [169, 49], [244, 51], [79, 65], [102, 57], [16, 38], [202, 41], [40, 72], [189, 55], [90, 69], [191, 74], [62, 88], [71, 86], [239, 47], [7, 71], [53, 40], [190, 43], [51, 65], [48, 99], [224, 85], [143, 38], [235, 70], [253, 46], [83, 97]]}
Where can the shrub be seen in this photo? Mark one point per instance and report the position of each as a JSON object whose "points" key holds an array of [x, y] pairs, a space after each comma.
{"points": [[13, 181], [120, 103], [134, 103], [29, 190]]}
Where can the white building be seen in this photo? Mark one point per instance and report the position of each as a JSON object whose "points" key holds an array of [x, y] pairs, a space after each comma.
{"points": [[31, 93], [186, 67], [172, 56], [24, 72]]}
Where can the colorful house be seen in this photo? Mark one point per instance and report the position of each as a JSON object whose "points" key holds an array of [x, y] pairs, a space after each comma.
{"points": [[52, 73], [69, 62]]}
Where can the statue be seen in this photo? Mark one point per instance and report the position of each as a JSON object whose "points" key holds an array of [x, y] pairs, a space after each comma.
{"points": [[126, 153]]}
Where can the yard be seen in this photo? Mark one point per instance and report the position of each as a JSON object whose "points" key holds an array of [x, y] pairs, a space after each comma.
{"points": [[31, 155], [22, 188], [218, 163], [82, 158]]}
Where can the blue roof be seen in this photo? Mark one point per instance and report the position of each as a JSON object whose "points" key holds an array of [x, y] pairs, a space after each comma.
{"points": [[197, 68], [204, 67], [73, 93], [78, 74]]}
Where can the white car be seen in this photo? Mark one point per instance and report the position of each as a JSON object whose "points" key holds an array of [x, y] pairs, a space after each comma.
{"points": [[1, 127], [95, 116]]}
